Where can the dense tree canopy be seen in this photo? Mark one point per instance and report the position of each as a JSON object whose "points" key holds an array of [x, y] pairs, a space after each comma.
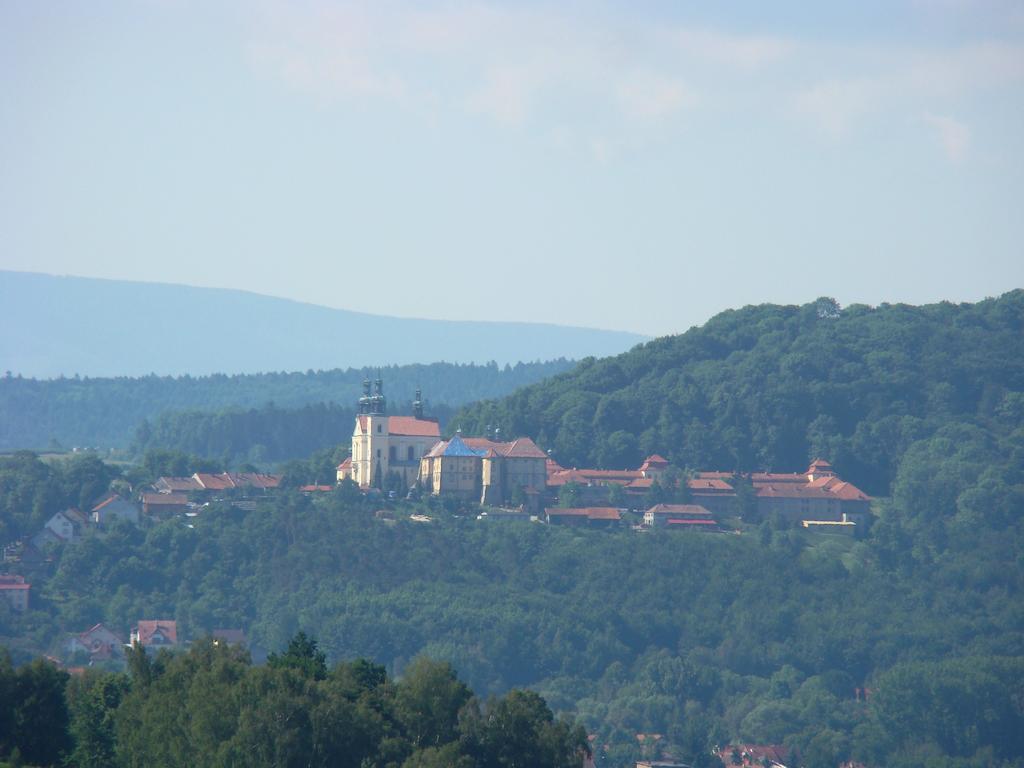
{"points": [[770, 387]]}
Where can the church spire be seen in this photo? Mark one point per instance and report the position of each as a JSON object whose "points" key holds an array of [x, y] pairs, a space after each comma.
{"points": [[378, 403], [364, 401], [417, 405]]}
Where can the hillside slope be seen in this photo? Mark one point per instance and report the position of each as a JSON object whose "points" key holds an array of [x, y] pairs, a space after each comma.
{"points": [[768, 387], [51, 326]]}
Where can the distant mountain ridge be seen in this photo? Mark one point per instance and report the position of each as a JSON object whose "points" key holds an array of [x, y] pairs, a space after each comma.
{"points": [[52, 326]]}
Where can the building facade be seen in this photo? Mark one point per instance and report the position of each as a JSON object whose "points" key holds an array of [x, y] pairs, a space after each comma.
{"points": [[488, 471]]}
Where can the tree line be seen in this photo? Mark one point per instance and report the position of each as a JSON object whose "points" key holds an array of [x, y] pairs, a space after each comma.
{"points": [[212, 707], [106, 412]]}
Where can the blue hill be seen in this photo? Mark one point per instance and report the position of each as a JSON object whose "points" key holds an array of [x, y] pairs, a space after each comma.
{"points": [[51, 326]]}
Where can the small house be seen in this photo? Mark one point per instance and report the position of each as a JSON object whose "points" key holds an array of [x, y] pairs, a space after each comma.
{"points": [[156, 633], [113, 507]]}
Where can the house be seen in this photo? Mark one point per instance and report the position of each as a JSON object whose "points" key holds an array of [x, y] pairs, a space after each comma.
{"points": [[68, 524], [229, 636], [653, 466], [165, 504], [663, 515], [113, 507], [593, 517], [158, 633], [15, 591], [99, 642]]}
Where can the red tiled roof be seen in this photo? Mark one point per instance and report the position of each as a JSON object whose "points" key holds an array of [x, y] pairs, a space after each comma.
{"points": [[108, 499], [96, 628], [147, 629], [522, 448], [591, 513], [213, 482], [6, 586], [591, 476], [316, 488], [346, 464], [361, 422], [179, 483], [410, 426], [165, 499], [708, 484], [254, 479], [654, 462]]}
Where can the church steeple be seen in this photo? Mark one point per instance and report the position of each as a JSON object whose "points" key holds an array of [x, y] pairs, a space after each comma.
{"points": [[417, 405], [378, 403], [364, 401]]}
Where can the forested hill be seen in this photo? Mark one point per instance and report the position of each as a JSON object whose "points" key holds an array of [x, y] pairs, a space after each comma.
{"points": [[107, 412], [51, 326], [767, 387]]}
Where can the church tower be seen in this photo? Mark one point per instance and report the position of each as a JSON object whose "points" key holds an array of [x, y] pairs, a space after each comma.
{"points": [[383, 444]]}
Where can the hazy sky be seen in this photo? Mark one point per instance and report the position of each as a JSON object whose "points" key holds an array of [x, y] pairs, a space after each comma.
{"points": [[637, 166]]}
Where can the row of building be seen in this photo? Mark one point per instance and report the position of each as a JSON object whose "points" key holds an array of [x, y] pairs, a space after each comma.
{"points": [[492, 471]]}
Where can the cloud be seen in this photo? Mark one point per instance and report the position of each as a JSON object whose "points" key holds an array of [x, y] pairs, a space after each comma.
{"points": [[744, 51], [954, 137], [326, 50], [506, 94], [835, 105], [652, 96]]}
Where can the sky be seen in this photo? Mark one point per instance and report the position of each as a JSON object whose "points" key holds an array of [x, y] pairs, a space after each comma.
{"points": [[637, 166]]}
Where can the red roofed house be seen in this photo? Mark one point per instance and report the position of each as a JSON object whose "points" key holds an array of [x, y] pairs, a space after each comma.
{"points": [[98, 641], [159, 633], [653, 466], [113, 507], [594, 517], [15, 591], [383, 444], [164, 504]]}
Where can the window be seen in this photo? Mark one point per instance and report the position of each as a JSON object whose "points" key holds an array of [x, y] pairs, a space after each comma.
{"points": [[378, 453], [411, 453], [378, 429], [392, 453]]}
